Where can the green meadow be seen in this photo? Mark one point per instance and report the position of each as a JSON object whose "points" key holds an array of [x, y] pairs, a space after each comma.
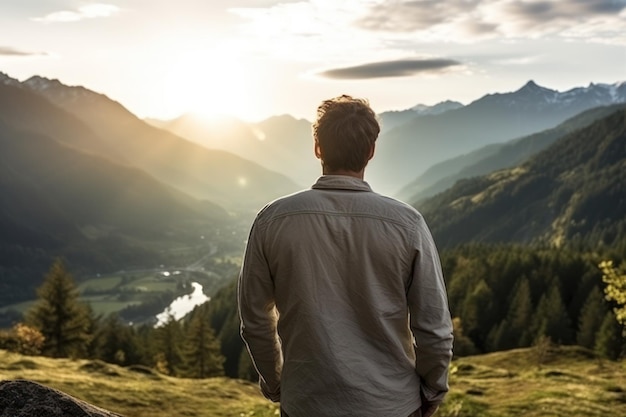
{"points": [[534, 382]]}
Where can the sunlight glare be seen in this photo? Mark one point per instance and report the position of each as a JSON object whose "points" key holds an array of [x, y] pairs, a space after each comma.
{"points": [[208, 83], [258, 133]]}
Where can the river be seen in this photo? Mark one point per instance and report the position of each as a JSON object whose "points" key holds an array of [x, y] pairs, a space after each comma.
{"points": [[182, 305]]}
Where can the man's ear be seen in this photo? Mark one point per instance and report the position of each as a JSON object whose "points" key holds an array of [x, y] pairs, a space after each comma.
{"points": [[318, 151]]}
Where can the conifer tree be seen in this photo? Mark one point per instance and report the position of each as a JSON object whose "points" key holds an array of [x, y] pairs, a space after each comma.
{"points": [[224, 318], [201, 349], [513, 332], [520, 316], [59, 316], [551, 319], [116, 342], [168, 340], [609, 341], [591, 317], [476, 314]]}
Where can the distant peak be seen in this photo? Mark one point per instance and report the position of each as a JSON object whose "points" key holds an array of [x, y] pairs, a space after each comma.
{"points": [[532, 87], [531, 84], [41, 83], [438, 108], [5, 79]]}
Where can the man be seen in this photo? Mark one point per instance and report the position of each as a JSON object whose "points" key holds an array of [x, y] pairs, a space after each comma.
{"points": [[341, 296]]}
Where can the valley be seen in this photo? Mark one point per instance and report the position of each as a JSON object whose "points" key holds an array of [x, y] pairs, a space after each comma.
{"points": [[139, 294], [523, 210]]}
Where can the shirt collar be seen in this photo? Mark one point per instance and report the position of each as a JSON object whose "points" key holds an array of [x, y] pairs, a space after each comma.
{"points": [[341, 182]]}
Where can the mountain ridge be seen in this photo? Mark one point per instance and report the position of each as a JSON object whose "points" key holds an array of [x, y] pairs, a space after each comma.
{"points": [[572, 190], [443, 175], [214, 175], [414, 146]]}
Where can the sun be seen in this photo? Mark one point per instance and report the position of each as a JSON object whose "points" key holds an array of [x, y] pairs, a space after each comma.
{"points": [[211, 83]]}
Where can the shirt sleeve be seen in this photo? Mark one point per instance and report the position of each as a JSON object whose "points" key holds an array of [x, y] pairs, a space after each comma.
{"points": [[430, 317], [258, 316]]}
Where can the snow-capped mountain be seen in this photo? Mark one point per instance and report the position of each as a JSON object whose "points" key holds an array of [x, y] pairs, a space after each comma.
{"points": [[538, 97], [413, 145]]}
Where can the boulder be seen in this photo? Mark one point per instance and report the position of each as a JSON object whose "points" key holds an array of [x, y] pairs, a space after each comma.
{"points": [[22, 398]]}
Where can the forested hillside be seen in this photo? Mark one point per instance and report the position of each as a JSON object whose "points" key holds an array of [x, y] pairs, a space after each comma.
{"points": [[493, 157], [572, 192]]}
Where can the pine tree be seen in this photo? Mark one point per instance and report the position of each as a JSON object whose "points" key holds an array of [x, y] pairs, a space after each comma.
{"points": [[520, 316], [201, 350], [591, 317], [513, 332], [168, 339], [609, 341], [59, 316], [476, 313], [115, 342], [551, 319]]}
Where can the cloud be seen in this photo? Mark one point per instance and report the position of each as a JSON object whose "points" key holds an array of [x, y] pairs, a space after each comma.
{"points": [[397, 68], [90, 11], [9, 51], [408, 16], [544, 10], [453, 19]]}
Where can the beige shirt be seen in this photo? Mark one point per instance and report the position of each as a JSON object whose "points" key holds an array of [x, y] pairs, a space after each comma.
{"points": [[343, 304]]}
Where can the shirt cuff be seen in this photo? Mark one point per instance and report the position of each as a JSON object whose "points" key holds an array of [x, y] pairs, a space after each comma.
{"points": [[272, 395]]}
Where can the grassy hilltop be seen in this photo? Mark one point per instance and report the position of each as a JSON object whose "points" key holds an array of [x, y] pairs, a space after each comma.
{"points": [[537, 382]]}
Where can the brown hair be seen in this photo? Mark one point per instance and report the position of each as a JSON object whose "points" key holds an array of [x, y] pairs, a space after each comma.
{"points": [[346, 130]]}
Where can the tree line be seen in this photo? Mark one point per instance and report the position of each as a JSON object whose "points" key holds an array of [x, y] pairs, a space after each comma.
{"points": [[510, 296], [501, 297], [59, 325]]}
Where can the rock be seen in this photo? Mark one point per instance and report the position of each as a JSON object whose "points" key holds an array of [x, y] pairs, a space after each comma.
{"points": [[22, 398]]}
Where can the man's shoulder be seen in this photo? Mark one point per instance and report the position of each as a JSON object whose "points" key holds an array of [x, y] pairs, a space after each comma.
{"points": [[399, 208], [286, 203]]}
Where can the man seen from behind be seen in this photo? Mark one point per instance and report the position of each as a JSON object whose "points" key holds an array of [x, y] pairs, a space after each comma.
{"points": [[341, 296]]}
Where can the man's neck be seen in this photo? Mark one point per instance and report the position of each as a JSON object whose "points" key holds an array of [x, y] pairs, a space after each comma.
{"points": [[360, 174]]}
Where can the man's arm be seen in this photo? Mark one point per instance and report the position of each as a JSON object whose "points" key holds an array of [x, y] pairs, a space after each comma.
{"points": [[430, 320], [258, 316]]}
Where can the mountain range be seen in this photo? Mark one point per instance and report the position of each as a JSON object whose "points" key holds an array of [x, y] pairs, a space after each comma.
{"points": [[214, 175], [412, 141], [83, 178], [443, 175], [416, 145], [572, 191], [280, 143]]}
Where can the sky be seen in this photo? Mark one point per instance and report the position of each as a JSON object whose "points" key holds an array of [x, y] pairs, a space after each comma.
{"points": [[257, 58]]}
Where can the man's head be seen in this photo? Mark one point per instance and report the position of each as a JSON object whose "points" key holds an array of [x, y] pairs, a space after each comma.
{"points": [[345, 133]]}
